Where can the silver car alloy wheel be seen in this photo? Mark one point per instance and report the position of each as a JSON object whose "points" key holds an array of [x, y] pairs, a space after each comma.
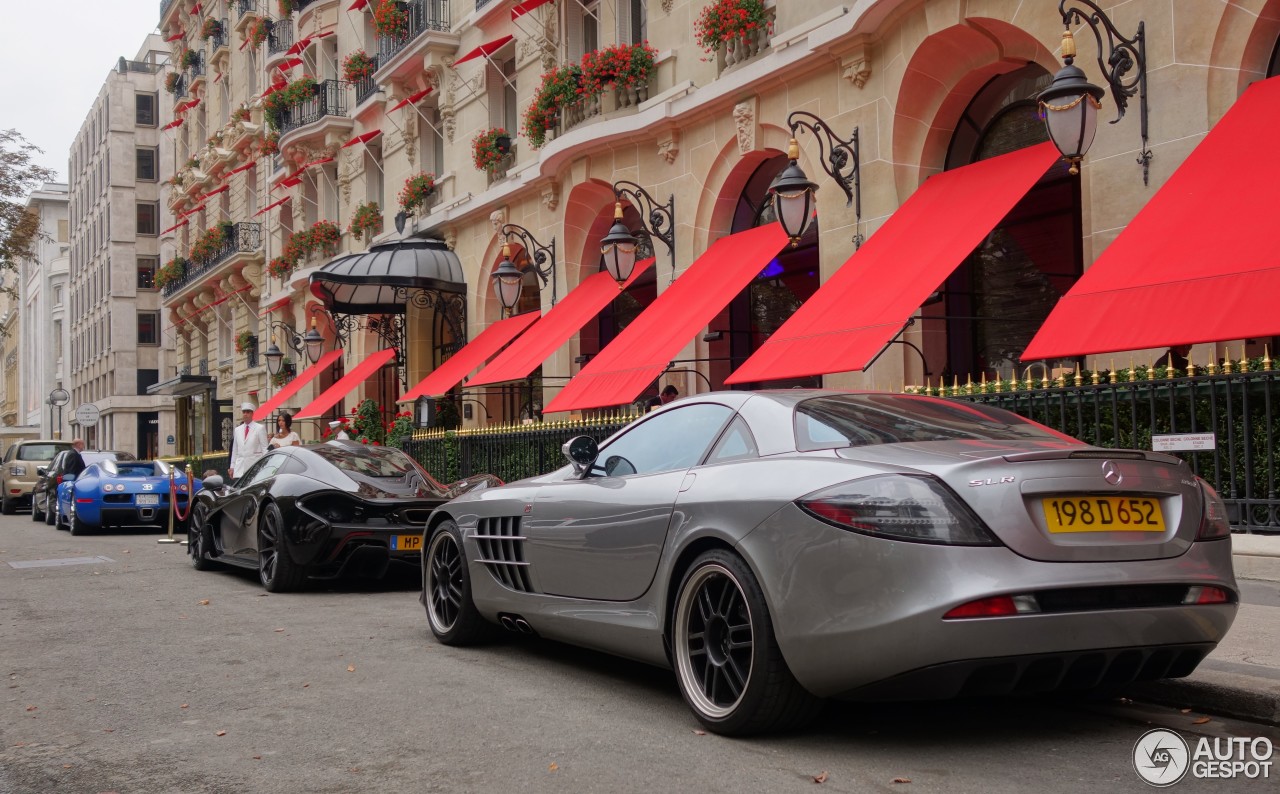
{"points": [[444, 581], [714, 640]]}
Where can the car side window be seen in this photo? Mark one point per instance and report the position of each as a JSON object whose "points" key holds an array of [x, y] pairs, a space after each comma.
{"points": [[736, 443], [264, 468], [672, 440]]}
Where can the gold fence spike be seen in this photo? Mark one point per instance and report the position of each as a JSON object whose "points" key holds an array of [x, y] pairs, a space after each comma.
{"points": [[1266, 358], [1191, 367], [1244, 360], [1226, 364]]}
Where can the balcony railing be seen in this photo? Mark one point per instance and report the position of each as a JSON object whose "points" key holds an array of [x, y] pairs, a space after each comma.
{"points": [[145, 67], [367, 87], [482, 3], [246, 6], [1238, 409], [279, 36], [180, 87], [222, 36], [196, 69], [328, 98], [424, 15], [244, 238]]}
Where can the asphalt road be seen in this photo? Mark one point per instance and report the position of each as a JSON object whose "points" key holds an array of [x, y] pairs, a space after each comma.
{"points": [[135, 673]]}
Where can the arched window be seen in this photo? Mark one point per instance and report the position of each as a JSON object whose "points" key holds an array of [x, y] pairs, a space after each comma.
{"points": [[773, 296], [993, 304]]}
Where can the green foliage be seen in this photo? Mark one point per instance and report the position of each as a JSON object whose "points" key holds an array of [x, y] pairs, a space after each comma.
{"points": [[367, 426], [19, 175]]}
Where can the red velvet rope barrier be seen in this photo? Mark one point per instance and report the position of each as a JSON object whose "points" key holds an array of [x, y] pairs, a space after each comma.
{"points": [[173, 498]]}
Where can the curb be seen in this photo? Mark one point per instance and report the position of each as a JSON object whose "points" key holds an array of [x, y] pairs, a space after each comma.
{"points": [[1202, 693]]}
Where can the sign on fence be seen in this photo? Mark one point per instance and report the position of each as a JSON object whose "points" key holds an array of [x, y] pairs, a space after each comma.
{"points": [[1183, 442]]}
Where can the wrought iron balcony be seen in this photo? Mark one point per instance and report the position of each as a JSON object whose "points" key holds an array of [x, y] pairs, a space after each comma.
{"points": [[482, 3], [279, 36], [204, 366], [180, 87], [424, 15], [196, 69], [145, 67], [243, 238], [246, 6], [222, 36], [328, 98], [367, 86]]}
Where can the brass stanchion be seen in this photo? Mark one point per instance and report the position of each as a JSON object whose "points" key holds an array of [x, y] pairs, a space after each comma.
{"points": [[173, 505]]}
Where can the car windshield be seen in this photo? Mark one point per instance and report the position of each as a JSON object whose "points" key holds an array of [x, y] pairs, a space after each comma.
{"points": [[855, 420], [136, 469], [98, 457], [40, 452], [370, 461]]}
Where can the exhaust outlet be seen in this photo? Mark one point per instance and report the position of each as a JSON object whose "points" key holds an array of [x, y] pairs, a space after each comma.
{"points": [[524, 626], [508, 623]]}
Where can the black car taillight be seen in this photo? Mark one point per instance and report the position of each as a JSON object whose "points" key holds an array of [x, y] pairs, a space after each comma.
{"points": [[1213, 523], [331, 507], [901, 507]]}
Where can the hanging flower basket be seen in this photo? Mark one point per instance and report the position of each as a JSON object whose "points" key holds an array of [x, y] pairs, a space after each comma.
{"points": [[280, 267], [210, 28], [390, 18], [271, 143], [285, 7], [171, 82], [256, 32], [286, 372], [366, 222], [726, 21], [170, 272], [292, 95], [187, 59], [560, 88], [417, 189], [357, 66], [490, 149], [245, 341]]}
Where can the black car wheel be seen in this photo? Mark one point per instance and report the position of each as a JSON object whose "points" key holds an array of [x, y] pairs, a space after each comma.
{"points": [[446, 590], [7, 507], [199, 539], [730, 669], [78, 527], [50, 510], [277, 570], [36, 515]]}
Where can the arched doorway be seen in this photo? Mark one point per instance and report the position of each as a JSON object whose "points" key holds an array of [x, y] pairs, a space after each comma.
{"points": [[992, 305], [773, 296]]}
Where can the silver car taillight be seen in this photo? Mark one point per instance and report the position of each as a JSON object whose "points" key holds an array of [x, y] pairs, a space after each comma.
{"points": [[1214, 523], [899, 506]]}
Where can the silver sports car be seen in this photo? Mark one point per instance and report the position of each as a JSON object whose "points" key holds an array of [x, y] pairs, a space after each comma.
{"points": [[776, 548]]}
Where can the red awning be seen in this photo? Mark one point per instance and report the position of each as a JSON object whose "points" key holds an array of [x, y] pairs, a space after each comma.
{"points": [[288, 64], [472, 355], [240, 169], [294, 386], [217, 79], [347, 384], [1199, 263], [520, 9], [850, 319], [274, 306], [176, 36], [215, 191], [272, 206], [274, 87], [484, 50], [172, 124], [195, 9], [191, 211], [289, 181], [558, 326], [645, 347], [299, 45], [362, 138], [176, 226], [411, 99], [358, 5], [321, 161]]}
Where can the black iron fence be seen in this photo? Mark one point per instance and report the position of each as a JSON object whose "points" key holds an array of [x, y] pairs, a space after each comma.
{"points": [[1240, 460], [279, 36], [511, 452], [221, 35], [196, 69], [240, 238], [366, 86], [246, 6], [424, 15], [328, 98]]}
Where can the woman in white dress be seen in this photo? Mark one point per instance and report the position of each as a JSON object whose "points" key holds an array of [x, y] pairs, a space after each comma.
{"points": [[284, 437]]}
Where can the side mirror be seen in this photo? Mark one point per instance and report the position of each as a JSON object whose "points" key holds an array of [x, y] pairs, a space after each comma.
{"points": [[68, 478], [581, 451], [42, 471], [213, 482]]}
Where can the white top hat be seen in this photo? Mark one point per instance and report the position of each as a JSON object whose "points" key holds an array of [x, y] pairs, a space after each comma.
{"points": [[334, 425], [248, 406]]}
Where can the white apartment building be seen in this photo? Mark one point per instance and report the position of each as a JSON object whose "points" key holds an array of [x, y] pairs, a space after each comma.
{"points": [[117, 348], [44, 331]]}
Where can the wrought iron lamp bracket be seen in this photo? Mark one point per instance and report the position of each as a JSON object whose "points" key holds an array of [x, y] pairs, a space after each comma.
{"points": [[661, 217], [543, 256], [839, 157], [291, 337]]}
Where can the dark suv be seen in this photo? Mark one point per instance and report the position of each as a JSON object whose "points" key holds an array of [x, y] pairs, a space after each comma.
{"points": [[44, 496]]}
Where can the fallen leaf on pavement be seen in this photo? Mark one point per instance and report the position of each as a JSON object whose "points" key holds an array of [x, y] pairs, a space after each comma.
{"points": [[183, 706], [355, 769], [66, 766], [257, 758], [902, 780], [351, 668], [279, 630], [699, 733], [220, 733], [1200, 721], [204, 602], [183, 617], [304, 686], [553, 767], [31, 708], [126, 551], [821, 777], [108, 730]]}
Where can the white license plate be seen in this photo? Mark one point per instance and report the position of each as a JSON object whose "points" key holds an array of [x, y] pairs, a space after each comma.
{"points": [[148, 499]]}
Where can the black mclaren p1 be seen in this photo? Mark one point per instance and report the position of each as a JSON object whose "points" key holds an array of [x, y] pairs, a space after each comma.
{"points": [[323, 511]]}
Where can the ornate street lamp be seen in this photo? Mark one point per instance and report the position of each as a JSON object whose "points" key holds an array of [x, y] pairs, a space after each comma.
{"points": [[619, 245], [508, 279], [1070, 104], [310, 344], [792, 191]]}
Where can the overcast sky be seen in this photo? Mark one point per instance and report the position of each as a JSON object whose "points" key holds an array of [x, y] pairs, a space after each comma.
{"points": [[55, 55]]}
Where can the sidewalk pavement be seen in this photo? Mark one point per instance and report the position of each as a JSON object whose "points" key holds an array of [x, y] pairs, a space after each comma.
{"points": [[1241, 678]]}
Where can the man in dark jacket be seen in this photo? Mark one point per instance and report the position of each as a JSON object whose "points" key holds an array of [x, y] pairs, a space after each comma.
{"points": [[75, 462]]}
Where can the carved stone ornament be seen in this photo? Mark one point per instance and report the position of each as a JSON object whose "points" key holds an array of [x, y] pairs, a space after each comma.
{"points": [[551, 195], [450, 237], [346, 173], [497, 219], [669, 145], [409, 136], [856, 66], [744, 118], [449, 122], [666, 6]]}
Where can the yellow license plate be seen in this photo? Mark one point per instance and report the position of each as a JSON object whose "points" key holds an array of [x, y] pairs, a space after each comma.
{"points": [[1103, 514], [406, 543]]}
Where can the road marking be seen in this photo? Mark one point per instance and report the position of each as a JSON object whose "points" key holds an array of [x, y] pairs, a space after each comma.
{"points": [[56, 563]]}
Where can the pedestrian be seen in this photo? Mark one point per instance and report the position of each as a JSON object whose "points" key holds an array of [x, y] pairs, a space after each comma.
{"points": [[249, 442], [74, 464], [338, 433], [284, 436], [668, 394]]}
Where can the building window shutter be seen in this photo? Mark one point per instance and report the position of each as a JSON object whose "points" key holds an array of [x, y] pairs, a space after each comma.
{"points": [[494, 85], [625, 10], [573, 30]]}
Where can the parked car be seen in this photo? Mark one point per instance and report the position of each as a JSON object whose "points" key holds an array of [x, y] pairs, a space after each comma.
{"points": [[119, 493], [776, 548], [20, 463], [44, 496], [320, 511]]}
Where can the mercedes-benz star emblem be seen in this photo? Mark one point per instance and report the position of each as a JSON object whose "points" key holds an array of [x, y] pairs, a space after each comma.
{"points": [[1111, 472]]}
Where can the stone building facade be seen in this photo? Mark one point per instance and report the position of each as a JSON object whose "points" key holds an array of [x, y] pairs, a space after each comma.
{"points": [[929, 85], [41, 360], [117, 346]]}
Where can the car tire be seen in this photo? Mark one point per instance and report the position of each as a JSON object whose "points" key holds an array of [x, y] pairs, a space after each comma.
{"points": [[199, 539], [446, 590], [78, 527], [50, 511], [726, 657], [276, 569], [7, 507], [36, 515]]}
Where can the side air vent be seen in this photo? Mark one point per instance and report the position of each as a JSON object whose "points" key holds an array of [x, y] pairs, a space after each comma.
{"points": [[502, 552]]}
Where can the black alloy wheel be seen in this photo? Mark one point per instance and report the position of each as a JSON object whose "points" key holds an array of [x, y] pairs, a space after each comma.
{"points": [[446, 590], [7, 507], [50, 510], [728, 664], [199, 538], [276, 569], [36, 515]]}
